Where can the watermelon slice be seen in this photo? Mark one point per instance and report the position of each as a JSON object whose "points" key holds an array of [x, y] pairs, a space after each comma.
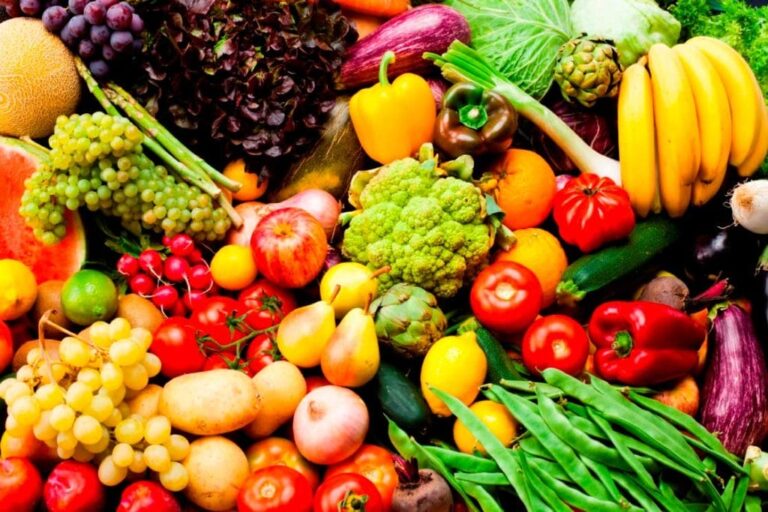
{"points": [[18, 160]]}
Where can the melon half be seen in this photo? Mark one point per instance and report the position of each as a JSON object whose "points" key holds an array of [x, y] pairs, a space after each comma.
{"points": [[18, 160]]}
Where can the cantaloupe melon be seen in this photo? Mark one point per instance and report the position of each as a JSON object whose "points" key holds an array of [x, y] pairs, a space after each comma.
{"points": [[38, 79]]}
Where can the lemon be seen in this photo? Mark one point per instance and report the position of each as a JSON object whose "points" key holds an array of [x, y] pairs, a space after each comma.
{"points": [[18, 289], [233, 268], [456, 365], [89, 296], [494, 416]]}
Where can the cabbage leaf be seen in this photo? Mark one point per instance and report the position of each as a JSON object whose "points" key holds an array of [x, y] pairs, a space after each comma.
{"points": [[519, 37]]}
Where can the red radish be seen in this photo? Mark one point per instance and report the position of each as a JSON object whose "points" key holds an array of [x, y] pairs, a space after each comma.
{"points": [[195, 256], [330, 424], [127, 265], [175, 269], [165, 296], [142, 284], [178, 309], [181, 245], [166, 240], [193, 298], [151, 262], [199, 277]]}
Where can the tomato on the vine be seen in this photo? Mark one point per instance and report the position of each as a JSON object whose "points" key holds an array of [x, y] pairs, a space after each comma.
{"points": [[506, 297], [222, 319], [274, 451], [20, 484], [555, 341], [262, 351], [226, 360], [175, 343], [348, 492], [267, 304], [374, 463], [275, 489]]}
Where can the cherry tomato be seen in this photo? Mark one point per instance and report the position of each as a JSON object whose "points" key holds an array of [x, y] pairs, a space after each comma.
{"points": [[227, 360], [267, 304], [275, 489], [175, 343], [274, 451], [374, 463], [147, 496], [506, 297], [261, 352], [222, 319], [555, 341], [20, 484], [347, 492], [6, 346], [73, 487]]}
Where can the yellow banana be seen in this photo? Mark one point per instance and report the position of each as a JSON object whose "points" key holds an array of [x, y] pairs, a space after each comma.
{"points": [[743, 94], [677, 144], [714, 117], [637, 146], [759, 150]]}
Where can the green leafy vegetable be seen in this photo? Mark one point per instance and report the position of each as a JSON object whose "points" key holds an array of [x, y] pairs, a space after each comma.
{"points": [[633, 25], [519, 37]]}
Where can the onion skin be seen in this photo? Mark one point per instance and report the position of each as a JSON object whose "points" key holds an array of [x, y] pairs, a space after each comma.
{"points": [[330, 424], [749, 203], [734, 397]]}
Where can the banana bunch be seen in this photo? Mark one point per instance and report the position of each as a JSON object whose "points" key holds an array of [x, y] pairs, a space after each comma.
{"points": [[693, 110]]}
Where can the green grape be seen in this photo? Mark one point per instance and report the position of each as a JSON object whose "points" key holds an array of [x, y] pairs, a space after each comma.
{"points": [[122, 455], [110, 474], [66, 439], [175, 478], [130, 431], [62, 417], [157, 430], [25, 410], [157, 458], [49, 396]]}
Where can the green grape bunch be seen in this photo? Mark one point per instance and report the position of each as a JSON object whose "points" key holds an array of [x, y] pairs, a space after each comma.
{"points": [[98, 161]]}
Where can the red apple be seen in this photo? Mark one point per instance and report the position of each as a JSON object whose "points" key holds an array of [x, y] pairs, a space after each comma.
{"points": [[74, 487], [147, 496], [20, 484], [289, 247]]}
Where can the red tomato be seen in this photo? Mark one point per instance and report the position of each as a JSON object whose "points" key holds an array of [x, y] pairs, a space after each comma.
{"points": [[175, 343], [275, 489], [555, 341], [374, 463], [20, 484], [347, 492], [261, 352], [73, 487], [6, 346], [222, 319], [267, 304], [316, 381], [147, 496], [506, 297], [274, 451]]}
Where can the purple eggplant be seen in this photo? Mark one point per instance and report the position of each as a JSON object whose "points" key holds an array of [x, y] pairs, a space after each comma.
{"points": [[760, 297], [722, 253], [735, 398], [427, 28]]}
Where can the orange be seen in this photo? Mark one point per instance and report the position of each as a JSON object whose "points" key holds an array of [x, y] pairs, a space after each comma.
{"points": [[525, 188], [251, 186], [541, 252]]}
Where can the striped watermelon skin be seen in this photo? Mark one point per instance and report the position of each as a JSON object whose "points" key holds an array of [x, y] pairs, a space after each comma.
{"points": [[18, 160]]}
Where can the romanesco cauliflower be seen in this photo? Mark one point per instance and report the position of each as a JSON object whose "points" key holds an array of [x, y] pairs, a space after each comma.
{"points": [[430, 230]]}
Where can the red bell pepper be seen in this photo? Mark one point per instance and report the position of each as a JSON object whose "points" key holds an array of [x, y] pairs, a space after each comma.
{"points": [[644, 343], [591, 211]]}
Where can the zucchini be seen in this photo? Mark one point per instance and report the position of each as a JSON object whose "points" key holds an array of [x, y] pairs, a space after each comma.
{"points": [[595, 271], [500, 365], [400, 399]]}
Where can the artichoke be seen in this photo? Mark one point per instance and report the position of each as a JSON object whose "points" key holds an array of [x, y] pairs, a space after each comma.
{"points": [[408, 319], [587, 70]]}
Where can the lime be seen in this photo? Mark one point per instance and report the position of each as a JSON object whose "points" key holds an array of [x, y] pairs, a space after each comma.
{"points": [[88, 296]]}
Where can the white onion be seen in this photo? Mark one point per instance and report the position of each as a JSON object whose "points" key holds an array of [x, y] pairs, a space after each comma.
{"points": [[749, 202], [318, 203]]}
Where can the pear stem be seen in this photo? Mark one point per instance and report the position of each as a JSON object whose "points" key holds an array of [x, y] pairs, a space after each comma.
{"points": [[383, 270], [334, 294]]}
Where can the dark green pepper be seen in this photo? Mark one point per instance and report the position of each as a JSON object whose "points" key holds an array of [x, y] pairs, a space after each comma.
{"points": [[474, 121]]}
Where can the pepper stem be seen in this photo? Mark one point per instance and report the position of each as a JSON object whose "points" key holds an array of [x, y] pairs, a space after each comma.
{"points": [[473, 116], [622, 343], [386, 60]]}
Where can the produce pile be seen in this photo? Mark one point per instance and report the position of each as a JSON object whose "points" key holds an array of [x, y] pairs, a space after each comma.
{"points": [[340, 256]]}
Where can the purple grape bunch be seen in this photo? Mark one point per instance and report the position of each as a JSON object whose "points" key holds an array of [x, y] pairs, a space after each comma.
{"points": [[101, 32]]}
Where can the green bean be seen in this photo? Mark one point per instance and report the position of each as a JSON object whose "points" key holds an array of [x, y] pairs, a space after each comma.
{"points": [[668, 493], [532, 387], [487, 502], [496, 478], [532, 446], [606, 477], [739, 495], [637, 492], [576, 498], [487, 439], [704, 440], [727, 495], [578, 440], [462, 461], [527, 414], [547, 494], [626, 454], [753, 504]]}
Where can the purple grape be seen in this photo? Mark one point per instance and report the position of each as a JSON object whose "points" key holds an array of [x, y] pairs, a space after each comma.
{"points": [[67, 37], [86, 49], [100, 34], [107, 3], [137, 24], [54, 18], [119, 17], [29, 7], [99, 68], [108, 53], [77, 6], [77, 26], [13, 10], [138, 45], [121, 40], [95, 13]]}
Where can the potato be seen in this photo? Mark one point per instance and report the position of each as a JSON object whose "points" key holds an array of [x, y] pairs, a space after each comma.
{"points": [[139, 312], [281, 387], [217, 468], [146, 403], [210, 403], [20, 357]]}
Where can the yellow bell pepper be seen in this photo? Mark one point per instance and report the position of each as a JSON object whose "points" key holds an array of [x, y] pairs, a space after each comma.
{"points": [[393, 120]]}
